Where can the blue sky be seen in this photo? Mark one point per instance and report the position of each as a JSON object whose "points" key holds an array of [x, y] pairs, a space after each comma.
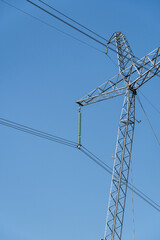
{"points": [[49, 191]]}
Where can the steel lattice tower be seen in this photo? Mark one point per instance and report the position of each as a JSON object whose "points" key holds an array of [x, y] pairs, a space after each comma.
{"points": [[132, 75], [122, 158]]}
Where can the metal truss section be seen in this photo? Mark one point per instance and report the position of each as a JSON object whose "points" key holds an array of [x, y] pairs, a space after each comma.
{"points": [[148, 67], [132, 75], [112, 88], [124, 52], [120, 175]]}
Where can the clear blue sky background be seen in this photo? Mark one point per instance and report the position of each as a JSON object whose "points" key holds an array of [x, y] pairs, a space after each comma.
{"points": [[49, 191]]}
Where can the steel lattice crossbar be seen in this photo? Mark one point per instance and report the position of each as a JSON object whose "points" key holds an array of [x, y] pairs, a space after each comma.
{"points": [[132, 75], [137, 75]]}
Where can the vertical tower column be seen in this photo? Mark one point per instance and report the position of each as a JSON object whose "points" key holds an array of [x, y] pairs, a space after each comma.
{"points": [[122, 158]]}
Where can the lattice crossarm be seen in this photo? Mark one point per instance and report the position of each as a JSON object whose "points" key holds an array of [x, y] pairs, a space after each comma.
{"points": [[150, 66], [116, 86], [137, 74]]}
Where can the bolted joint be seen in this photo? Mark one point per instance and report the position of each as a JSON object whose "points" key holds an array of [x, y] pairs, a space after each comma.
{"points": [[133, 90], [79, 127]]}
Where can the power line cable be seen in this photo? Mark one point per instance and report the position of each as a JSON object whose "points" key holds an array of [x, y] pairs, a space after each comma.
{"points": [[37, 133], [145, 196], [84, 33], [110, 172], [86, 28], [49, 138], [115, 64], [51, 26], [132, 201], [153, 106], [98, 35], [72, 144], [53, 8], [67, 34], [25, 129], [132, 188], [75, 28], [71, 19], [95, 159], [148, 120], [59, 30], [65, 22], [70, 25]]}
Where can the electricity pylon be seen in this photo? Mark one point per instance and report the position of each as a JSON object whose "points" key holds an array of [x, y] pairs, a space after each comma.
{"points": [[132, 75]]}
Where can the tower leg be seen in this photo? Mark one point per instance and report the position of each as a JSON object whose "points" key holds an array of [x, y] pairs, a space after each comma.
{"points": [[117, 199]]}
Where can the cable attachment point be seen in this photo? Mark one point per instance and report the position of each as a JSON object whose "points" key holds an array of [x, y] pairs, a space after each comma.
{"points": [[138, 121], [79, 127], [106, 52], [133, 90]]}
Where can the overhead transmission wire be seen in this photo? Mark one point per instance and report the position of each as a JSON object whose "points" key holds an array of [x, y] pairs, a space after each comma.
{"points": [[84, 150], [67, 34], [153, 106], [132, 201], [44, 135], [37, 133], [59, 30], [71, 19], [75, 28], [86, 28], [72, 26], [129, 185], [74, 21], [81, 25], [82, 32], [13, 6], [51, 26], [65, 22], [156, 137]]}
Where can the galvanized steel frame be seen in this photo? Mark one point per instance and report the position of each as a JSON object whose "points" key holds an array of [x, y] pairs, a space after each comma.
{"points": [[122, 158], [132, 75]]}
